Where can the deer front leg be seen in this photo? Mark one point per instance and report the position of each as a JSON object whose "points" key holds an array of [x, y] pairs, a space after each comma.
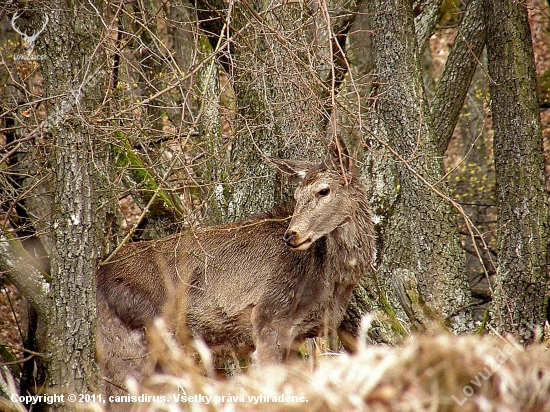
{"points": [[272, 345], [271, 339]]}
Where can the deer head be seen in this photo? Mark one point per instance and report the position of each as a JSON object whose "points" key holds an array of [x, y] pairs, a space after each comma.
{"points": [[322, 198]]}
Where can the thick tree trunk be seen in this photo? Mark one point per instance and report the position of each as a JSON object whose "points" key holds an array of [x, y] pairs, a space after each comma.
{"points": [[280, 113], [71, 334], [421, 235], [72, 79], [520, 289]]}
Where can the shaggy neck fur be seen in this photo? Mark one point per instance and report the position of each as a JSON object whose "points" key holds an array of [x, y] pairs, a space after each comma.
{"points": [[350, 246]]}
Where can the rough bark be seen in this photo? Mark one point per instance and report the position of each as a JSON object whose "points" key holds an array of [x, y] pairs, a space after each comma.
{"points": [[72, 324], [214, 163], [278, 104], [73, 80], [421, 233], [368, 297], [424, 22], [520, 289]]}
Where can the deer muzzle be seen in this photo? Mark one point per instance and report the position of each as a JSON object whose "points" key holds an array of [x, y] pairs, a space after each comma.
{"points": [[295, 241]]}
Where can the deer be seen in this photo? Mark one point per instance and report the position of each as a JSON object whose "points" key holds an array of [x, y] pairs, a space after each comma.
{"points": [[259, 286]]}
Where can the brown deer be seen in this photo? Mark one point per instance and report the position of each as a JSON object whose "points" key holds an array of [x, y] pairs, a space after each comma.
{"points": [[261, 284]]}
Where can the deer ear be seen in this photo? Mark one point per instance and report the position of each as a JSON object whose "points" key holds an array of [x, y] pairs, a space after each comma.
{"points": [[297, 169], [338, 153]]}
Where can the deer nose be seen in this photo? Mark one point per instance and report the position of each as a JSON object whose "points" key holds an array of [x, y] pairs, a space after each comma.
{"points": [[289, 237]]}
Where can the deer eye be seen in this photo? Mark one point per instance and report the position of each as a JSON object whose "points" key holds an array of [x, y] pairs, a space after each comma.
{"points": [[323, 192]]}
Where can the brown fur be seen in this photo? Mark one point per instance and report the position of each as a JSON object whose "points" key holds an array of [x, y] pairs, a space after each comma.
{"points": [[241, 286]]}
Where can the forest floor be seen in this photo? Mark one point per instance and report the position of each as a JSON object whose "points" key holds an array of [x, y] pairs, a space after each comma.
{"points": [[437, 372]]}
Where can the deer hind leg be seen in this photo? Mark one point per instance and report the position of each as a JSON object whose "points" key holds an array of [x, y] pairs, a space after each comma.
{"points": [[122, 352]]}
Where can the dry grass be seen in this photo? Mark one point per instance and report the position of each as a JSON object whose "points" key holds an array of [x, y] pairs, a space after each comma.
{"points": [[427, 373]]}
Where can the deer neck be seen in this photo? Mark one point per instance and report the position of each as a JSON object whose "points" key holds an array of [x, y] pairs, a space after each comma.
{"points": [[350, 245]]}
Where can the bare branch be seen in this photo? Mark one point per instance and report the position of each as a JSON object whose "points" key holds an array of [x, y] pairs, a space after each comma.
{"points": [[24, 273]]}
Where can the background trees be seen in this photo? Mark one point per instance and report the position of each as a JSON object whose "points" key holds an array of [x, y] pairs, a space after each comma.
{"points": [[164, 111], [521, 194], [421, 214]]}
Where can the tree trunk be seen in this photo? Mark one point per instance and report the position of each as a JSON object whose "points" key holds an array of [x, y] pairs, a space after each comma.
{"points": [[280, 113], [73, 80], [520, 289], [214, 169], [472, 184], [459, 71], [421, 235], [424, 22]]}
